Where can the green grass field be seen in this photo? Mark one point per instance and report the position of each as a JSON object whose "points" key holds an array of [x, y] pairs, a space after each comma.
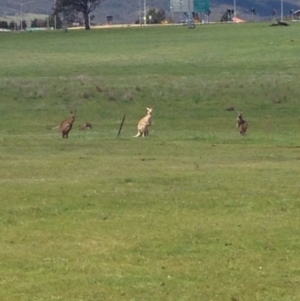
{"points": [[192, 212]]}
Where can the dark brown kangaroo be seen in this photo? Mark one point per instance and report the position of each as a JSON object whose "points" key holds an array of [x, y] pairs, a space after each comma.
{"points": [[66, 125], [85, 126], [241, 124]]}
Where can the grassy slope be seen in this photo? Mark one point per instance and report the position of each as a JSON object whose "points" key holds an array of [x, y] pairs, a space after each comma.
{"points": [[192, 212]]}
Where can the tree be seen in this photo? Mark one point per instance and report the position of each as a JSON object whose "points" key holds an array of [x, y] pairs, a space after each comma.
{"points": [[55, 20], [36, 23], [24, 25], [3, 24], [227, 16], [157, 16], [12, 25], [80, 6]]}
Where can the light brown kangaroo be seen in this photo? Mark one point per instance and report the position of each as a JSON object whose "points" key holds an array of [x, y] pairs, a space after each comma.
{"points": [[66, 125], [241, 124], [149, 123], [144, 123], [85, 126]]}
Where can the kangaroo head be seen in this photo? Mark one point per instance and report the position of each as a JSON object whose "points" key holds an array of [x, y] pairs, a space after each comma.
{"points": [[240, 114], [149, 111], [73, 114]]}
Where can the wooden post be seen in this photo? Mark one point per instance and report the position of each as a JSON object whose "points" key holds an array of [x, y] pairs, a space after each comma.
{"points": [[121, 125]]}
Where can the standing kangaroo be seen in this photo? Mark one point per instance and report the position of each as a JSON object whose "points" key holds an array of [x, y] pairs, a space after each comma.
{"points": [[149, 122], [241, 124], [144, 124], [66, 125]]}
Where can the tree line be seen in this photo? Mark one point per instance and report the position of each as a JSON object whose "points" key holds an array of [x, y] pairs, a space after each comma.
{"points": [[51, 22], [71, 8], [68, 12], [65, 11]]}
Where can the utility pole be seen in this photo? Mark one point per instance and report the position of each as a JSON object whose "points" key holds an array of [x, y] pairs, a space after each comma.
{"points": [[21, 4], [281, 10], [21, 17], [145, 12], [180, 10], [54, 15], [140, 12], [234, 10]]}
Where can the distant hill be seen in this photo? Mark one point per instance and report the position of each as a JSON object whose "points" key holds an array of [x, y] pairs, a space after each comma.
{"points": [[13, 7], [127, 11]]}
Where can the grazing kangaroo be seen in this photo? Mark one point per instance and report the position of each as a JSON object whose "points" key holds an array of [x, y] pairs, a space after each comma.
{"points": [[85, 126], [144, 124], [66, 125], [241, 124]]}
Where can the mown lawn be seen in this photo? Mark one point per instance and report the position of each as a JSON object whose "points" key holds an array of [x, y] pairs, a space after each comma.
{"points": [[194, 211]]}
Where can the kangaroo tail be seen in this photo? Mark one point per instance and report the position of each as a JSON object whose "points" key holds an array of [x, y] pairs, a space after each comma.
{"points": [[137, 135]]}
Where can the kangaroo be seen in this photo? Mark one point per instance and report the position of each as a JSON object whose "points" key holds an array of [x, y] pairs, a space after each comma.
{"points": [[85, 126], [149, 124], [144, 124], [241, 124], [66, 125]]}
